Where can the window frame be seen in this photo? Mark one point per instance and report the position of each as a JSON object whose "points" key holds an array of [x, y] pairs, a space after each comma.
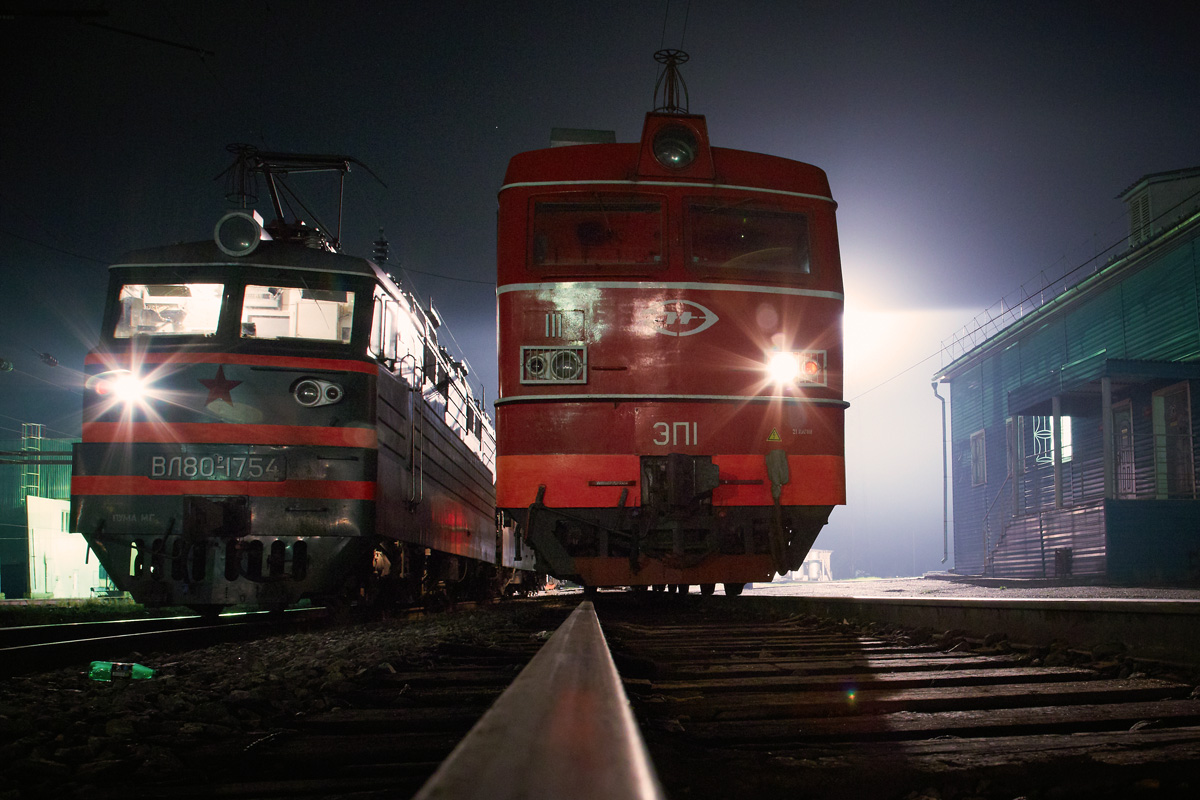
{"points": [[722, 271], [294, 311], [979, 457], [135, 280], [631, 268]]}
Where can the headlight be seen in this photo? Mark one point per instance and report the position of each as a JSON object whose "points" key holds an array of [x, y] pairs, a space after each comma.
{"points": [[675, 147], [121, 386], [535, 366], [803, 368], [239, 232], [783, 367], [565, 365], [311, 392]]}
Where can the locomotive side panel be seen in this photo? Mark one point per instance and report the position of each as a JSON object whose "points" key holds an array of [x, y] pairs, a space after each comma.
{"points": [[436, 485]]}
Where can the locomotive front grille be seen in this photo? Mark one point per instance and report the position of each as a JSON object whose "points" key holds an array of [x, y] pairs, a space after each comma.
{"points": [[546, 365]]}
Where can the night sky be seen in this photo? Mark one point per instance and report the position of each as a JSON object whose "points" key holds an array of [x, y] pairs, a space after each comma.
{"points": [[973, 147]]}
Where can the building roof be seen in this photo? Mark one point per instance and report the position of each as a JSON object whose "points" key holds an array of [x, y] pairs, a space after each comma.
{"points": [[1158, 177]]}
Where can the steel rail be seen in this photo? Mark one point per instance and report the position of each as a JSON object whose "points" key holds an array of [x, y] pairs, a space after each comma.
{"points": [[41, 647], [562, 729]]}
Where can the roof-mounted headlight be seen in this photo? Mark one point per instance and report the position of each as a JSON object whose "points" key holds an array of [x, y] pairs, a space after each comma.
{"points": [[675, 147], [239, 232]]}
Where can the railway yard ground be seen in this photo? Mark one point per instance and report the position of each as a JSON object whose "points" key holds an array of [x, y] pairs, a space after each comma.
{"points": [[906, 689], [950, 585]]}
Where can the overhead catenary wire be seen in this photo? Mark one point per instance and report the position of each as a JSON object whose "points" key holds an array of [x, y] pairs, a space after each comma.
{"points": [[687, 10], [53, 248], [64, 434]]}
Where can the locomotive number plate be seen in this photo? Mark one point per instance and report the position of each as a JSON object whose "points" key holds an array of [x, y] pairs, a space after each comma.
{"points": [[218, 467]]}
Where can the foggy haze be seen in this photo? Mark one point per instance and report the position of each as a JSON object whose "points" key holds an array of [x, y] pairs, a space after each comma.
{"points": [[972, 148]]}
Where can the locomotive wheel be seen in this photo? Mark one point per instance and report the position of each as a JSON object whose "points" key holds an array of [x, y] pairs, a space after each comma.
{"points": [[707, 588], [734, 589], [208, 612]]}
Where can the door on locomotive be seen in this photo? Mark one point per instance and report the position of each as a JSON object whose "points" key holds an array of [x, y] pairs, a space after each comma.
{"points": [[670, 357]]}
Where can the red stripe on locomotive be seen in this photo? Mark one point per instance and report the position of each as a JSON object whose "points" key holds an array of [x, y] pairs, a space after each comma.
{"points": [[596, 481], [100, 485]]}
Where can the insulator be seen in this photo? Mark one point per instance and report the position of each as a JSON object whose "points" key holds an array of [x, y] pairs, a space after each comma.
{"points": [[381, 249]]}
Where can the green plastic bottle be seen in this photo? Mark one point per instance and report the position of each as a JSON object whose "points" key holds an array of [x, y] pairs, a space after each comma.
{"points": [[118, 670]]}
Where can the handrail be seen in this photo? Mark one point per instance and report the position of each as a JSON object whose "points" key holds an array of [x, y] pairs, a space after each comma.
{"points": [[989, 552], [416, 460], [562, 729]]}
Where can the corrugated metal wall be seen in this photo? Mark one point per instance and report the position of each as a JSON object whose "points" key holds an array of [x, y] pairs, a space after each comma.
{"points": [[55, 480], [966, 417], [1159, 309], [1095, 331], [1059, 543]]}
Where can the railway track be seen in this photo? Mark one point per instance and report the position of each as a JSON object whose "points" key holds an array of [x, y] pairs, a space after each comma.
{"points": [[31, 648], [734, 700], [362, 710], [753, 707]]}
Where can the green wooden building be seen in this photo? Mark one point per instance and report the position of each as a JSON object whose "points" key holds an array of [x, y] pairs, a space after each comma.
{"points": [[1072, 450]]}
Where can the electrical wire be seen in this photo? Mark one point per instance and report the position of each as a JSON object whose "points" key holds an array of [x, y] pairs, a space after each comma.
{"points": [[65, 252], [446, 277], [64, 434]]}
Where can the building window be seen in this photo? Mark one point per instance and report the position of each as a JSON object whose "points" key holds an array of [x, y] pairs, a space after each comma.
{"points": [[1043, 439], [978, 458]]}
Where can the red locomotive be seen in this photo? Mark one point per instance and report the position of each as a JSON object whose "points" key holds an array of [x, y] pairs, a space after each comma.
{"points": [[266, 419], [670, 350]]}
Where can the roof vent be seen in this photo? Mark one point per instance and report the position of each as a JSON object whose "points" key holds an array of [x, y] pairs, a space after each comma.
{"points": [[564, 137]]}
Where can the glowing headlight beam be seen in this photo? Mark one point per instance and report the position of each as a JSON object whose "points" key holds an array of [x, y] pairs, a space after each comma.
{"points": [[783, 367], [129, 389], [121, 387]]}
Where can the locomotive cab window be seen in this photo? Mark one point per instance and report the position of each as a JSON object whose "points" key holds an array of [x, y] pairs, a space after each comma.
{"points": [[283, 312], [597, 234], [168, 309], [734, 239]]}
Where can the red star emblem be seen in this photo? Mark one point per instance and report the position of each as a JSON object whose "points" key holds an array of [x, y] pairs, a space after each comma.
{"points": [[219, 387]]}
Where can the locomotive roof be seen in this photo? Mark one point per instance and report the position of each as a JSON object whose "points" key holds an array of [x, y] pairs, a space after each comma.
{"points": [[618, 163], [270, 254]]}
